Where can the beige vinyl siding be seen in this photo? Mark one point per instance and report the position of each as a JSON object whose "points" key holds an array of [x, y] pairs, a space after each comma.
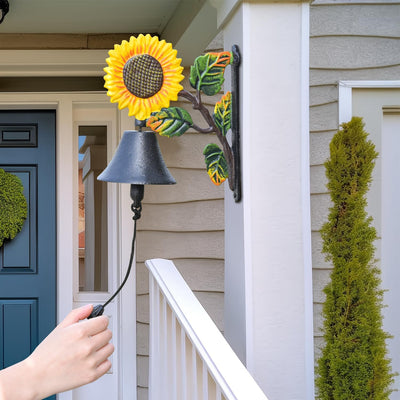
{"points": [[353, 41], [57, 41], [183, 223]]}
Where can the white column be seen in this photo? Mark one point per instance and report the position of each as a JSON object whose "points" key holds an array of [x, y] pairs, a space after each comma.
{"points": [[268, 284]]}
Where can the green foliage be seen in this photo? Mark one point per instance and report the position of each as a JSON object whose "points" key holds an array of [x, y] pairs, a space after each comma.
{"points": [[172, 121], [13, 206], [207, 73], [217, 168], [223, 113], [354, 363]]}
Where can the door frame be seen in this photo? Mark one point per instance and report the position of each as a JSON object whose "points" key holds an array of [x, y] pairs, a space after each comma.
{"points": [[81, 63], [381, 103]]}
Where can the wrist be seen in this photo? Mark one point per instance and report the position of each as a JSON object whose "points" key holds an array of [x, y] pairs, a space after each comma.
{"points": [[32, 379], [18, 382]]}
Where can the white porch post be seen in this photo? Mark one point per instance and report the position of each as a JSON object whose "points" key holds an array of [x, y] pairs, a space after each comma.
{"points": [[268, 284]]}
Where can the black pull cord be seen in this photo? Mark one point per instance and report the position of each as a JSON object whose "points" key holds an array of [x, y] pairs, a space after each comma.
{"points": [[136, 207], [99, 309]]}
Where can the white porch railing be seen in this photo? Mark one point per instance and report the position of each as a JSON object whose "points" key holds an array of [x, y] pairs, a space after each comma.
{"points": [[189, 357]]}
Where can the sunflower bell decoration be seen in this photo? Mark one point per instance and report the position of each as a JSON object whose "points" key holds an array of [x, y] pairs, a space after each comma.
{"points": [[13, 206], [144, 75]]}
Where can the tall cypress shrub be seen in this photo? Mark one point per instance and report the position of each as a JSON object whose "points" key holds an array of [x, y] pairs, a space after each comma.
{"points": [[354, 363]]}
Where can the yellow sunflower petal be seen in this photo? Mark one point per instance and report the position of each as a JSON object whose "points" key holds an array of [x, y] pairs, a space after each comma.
{"points": [[134, 105], [125, 102], [141, 112]]}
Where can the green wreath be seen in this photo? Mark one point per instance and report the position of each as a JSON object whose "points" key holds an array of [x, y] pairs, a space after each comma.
{"points": [[13, 206]]}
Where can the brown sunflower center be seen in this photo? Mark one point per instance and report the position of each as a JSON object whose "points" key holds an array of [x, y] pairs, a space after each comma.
{"points": [[143, 76]]}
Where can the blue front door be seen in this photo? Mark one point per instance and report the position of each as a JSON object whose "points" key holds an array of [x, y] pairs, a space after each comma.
{"points": [[28, 262]]}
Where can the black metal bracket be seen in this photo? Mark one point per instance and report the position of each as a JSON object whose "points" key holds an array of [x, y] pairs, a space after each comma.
{"points": [[235, 82]]}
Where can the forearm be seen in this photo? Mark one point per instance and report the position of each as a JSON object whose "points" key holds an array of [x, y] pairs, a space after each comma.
{"points": [[18, 382]]}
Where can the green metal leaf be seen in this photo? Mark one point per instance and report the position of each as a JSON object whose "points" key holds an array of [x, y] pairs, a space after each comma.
{"points": [[173, 121], [207, 73], [223, 113], [217, 167]]}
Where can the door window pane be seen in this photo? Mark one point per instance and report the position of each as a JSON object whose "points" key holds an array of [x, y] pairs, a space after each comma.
{"points": [[93, 236]]}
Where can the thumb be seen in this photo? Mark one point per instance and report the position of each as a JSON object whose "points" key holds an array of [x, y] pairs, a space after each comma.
{"points": [[77, 315]]}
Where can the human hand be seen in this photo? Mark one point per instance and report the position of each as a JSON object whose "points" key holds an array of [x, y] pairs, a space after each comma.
{"points": [[73, 354]]}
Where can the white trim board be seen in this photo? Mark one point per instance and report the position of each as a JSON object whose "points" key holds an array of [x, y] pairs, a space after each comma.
{"points": [[47, 63], [346, 94]]}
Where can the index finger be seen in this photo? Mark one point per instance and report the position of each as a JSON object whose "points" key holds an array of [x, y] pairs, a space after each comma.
{"points": [[95, 325]]}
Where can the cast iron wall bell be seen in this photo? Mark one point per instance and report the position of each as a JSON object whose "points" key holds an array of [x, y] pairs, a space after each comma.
{"points": [[137, 161]]}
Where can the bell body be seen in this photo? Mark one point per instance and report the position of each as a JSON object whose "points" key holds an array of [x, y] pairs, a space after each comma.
{"points": [[138, 160]]}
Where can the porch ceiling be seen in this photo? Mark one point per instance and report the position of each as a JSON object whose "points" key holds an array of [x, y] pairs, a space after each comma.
{"points": [[189, 24], [88, 16]]}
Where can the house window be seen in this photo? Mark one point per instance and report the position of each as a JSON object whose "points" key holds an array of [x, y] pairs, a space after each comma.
{"points": [[92, 231]]}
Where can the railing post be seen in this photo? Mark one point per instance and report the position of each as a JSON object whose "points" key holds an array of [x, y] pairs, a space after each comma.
{"points": [[154, 348]]}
